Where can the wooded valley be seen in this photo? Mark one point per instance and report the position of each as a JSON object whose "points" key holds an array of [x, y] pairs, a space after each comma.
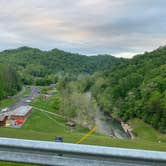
{"points": [[122, 88]]}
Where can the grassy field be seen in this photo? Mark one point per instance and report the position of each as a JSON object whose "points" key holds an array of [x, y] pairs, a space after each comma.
{"points": [[15, 164], [44, 126], [45, 104], [26, 92], [143, 131], [49, 129], [7, 102]]}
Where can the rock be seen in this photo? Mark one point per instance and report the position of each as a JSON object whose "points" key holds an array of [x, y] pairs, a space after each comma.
{"points": [[71, 124]]}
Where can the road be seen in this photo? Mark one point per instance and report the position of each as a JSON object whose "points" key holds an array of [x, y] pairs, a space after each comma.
{"points": [[34, 92], [22, 100]]}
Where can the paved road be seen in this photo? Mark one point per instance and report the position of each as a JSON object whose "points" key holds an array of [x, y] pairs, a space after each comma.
{"points": [[23, 101]]}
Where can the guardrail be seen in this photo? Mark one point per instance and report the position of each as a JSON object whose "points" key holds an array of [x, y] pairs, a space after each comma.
{"points": [[54, 153]]}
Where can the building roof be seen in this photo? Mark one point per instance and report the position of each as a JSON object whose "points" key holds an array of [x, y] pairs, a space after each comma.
{"points": [[2, 117], [21, 111]]}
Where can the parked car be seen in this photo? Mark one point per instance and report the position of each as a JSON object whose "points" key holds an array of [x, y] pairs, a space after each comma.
{"points": [[4, 109], [28, 101]]}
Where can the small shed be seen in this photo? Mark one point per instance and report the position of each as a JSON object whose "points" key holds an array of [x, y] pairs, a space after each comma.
{"points": [[21, 113]]}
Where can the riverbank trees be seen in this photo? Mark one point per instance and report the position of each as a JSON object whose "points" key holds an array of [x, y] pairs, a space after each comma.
{"points": [[75, 105], [9, 81], [136, 88]]}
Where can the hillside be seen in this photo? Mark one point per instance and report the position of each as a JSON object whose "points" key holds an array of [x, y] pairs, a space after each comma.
{"points": [[135, 88], [126, 89], [9, 81], [42, 67]]}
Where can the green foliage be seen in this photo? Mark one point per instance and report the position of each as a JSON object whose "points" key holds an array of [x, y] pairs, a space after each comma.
{"points": [[135, 88], [34, 133], [42, 67], [9, 81], [129, 89], [15, 164], [6, 102], [51, 104], [143, 131], [76, 104], [42, 126]]}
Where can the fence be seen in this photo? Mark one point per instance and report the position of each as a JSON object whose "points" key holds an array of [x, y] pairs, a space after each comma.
{"points": [[54, 153]]}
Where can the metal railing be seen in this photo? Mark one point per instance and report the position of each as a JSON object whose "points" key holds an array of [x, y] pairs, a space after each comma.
{"points": [[54, 153]]}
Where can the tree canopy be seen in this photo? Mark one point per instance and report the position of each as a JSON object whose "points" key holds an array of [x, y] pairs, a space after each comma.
{"points": [[135, 88], [41, 67], [9, 81]]}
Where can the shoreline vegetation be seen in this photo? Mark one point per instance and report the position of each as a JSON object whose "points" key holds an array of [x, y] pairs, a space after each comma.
{"points": [[34, 128]]}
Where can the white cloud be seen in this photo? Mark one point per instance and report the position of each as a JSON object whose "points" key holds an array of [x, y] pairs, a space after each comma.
{"points": [[117, 27], [126, 54]]}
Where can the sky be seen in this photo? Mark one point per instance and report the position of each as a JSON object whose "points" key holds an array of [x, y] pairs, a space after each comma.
{"points": [[121, 28]]}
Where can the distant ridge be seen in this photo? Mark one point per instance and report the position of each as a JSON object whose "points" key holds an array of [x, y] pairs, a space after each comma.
{"points": [[33, 63]]}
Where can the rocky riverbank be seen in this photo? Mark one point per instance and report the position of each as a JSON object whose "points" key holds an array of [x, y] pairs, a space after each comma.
{"points": [[128, 129]]}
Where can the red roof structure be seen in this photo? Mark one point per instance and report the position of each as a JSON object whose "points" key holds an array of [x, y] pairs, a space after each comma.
{"points": [[19, 121]]}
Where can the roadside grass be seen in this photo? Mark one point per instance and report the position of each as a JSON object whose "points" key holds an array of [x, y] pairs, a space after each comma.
{"points": [[41, 121], [45, 104], [73, 137], [147, 137], [144, 131], [44, 126], [26, 92], [7, 102], [15, 164], [40, 127]]}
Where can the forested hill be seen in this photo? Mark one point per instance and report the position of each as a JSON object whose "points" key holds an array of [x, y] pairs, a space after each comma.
{"points": [[136, 88], [9, 81], [39, 66]]}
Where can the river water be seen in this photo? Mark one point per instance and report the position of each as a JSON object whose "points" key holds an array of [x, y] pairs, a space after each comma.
{"points": [[107, 125]]}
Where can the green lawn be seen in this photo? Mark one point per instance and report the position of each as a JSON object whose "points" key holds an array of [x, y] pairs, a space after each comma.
{"points": [[26, 92], [45, 104], [7, 102], [14, 164], [40, 127], [144, 131], [44, 122], [44, 126]]}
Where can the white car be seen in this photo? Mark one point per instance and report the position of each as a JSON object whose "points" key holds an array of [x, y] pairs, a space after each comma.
{"points": [[28, 101], [4, 109]]}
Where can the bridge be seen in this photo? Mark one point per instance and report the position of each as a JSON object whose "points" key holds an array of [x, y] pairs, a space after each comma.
{"points": [[64, 154]]}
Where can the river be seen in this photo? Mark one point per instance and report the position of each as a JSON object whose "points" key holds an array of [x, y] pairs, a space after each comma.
{"points": [[107, 125]]}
